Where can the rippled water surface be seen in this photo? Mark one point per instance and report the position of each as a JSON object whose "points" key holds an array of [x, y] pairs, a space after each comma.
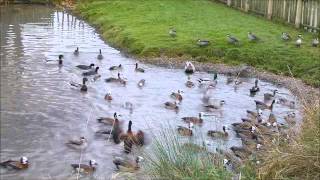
{"points": [[40, 111]]}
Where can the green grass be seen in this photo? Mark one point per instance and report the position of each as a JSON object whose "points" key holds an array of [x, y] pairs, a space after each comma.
{"points": [[140, 27], [170, 158]]}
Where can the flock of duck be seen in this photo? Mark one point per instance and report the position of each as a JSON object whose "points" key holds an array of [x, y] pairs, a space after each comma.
{"points": [[252, 38], [253, 131]]}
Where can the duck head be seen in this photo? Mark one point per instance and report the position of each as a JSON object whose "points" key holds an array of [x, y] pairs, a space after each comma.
{"points": [[97, 68], [119, 76], [93, 163], [258, 146], [24, 160], [253, 129], [200, 115], [136, 65], [99, 51], [222, 102], [139, 159], [83, 139], [91, 65], [129, 125], [60, 57], [115, 115], [226, 162]]}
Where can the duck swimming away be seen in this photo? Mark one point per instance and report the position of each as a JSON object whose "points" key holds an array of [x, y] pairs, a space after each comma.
{"points": [[76, 52], [23, 163], [85, 67], [78, 144], [84, 168], [100, 56]]}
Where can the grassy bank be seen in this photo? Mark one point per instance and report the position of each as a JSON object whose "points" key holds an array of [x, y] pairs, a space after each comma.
{"points": [[141, 28]]}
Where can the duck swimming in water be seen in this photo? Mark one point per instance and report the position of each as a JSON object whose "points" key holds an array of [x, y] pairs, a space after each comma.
{"points": [[189, 68], [255, 88], [189, 83], [185, 131], [77, 144], [85, 67], [83, 86], [112, 68], [100, 56], [215, 106], [60, 59], [108, 120], [261, 105], [138, 69], [218, 134], [76, 52], [269, 96], [194, 120], [84, 168], [128, 165], [92, 72], [141, 83], [108, 96], [176, 95], [23, 163], [171, 105]]}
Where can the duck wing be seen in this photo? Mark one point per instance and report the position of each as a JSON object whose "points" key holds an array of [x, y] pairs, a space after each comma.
{"points": [[83, 67]]}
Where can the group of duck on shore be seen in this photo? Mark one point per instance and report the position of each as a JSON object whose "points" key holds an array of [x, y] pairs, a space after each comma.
{"points": [[285, 36], [253, 130]]}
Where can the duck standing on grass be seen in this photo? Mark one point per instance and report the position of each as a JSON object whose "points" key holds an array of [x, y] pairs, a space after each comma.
{"points": [[232, 39], [299, 41], [203, 43], [189, 68], [285, 36], [100, 56], [23, 163], [252, 37], [315, 42], [172, 32], [84, 168]]}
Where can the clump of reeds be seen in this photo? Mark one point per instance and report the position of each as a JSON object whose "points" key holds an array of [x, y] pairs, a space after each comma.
{"points": [[172, 158]]}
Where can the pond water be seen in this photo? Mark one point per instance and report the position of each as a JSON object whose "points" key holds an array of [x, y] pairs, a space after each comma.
{"points": [[40, 111]]}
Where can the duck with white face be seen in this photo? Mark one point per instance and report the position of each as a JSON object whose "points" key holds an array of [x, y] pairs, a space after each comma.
{"points": [[23, 163], [77, 144], [84, 168], [189, 68]]}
